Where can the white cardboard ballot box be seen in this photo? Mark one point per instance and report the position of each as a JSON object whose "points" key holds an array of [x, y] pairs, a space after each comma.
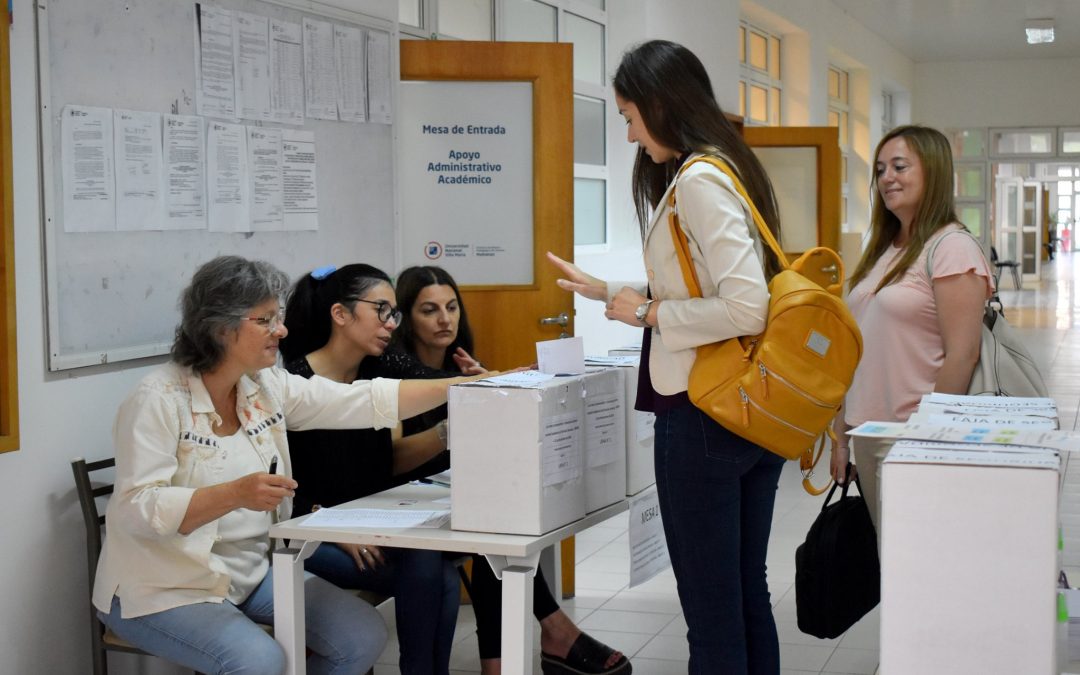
{"points": [[968, 561], [640, 469], [605, 436], [518, 457]]}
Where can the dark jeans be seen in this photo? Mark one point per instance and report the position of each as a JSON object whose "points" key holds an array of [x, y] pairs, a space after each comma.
{"points": [[426, 597], [716, 495], [487, 605]]}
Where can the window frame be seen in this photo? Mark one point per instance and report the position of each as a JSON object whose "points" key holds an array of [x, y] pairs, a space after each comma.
{"points": [[763, 78]]}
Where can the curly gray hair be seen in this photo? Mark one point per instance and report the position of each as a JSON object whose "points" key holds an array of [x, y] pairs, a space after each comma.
{"points": [[220, 293]]}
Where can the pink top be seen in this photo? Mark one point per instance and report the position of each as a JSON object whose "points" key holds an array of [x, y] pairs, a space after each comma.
{"points": [[902, 346]]}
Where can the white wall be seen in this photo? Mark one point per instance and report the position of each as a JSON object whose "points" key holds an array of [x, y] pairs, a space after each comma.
{"points": [[1029, 93], [44, 614]]}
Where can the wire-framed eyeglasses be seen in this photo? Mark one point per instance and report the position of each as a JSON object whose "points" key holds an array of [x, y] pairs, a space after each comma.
{"points": [[385, 310], [271, 322]]}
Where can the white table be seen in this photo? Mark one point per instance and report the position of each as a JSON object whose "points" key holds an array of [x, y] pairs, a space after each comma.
{"points": [[514, 559]]}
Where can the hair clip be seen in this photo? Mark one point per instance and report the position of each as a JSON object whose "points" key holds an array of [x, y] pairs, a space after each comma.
{"points": [[320, 273]]}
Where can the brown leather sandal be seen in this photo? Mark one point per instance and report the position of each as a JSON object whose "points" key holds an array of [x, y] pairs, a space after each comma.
{"points": [[587, 656]]}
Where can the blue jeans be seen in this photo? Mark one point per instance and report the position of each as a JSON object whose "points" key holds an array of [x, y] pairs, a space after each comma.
{"points": [[426, 598], [716, 494], [344, 633]]}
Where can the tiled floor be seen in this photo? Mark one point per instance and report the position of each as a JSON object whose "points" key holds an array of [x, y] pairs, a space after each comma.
{"points": [[646, 622]]}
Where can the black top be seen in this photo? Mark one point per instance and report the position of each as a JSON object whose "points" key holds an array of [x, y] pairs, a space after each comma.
{"points": [[648, 399], [333, 466]]}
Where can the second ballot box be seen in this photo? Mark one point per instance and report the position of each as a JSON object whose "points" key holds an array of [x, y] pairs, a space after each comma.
{"points": [[518, 454], [640, 470], [605, 436]]}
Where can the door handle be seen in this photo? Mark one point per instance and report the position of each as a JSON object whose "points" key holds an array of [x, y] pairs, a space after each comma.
{"points": [[562, 320]]}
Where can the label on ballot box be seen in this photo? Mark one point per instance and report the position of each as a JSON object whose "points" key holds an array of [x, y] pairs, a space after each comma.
{"points": [[518, 454], [640, 471], [605, 436]]}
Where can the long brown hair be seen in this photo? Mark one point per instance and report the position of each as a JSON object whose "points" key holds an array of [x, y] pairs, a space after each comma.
{"points": [[936, 210], [672, 91]]}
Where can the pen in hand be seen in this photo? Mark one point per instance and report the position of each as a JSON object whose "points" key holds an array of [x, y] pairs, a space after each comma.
{"points": [[273, 465]]}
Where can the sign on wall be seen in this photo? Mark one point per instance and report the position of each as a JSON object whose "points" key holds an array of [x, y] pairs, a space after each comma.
{"points": [[466, 174]]}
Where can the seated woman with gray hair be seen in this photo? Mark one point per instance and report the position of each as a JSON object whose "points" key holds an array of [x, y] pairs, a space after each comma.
{"points": [[202, 468]]}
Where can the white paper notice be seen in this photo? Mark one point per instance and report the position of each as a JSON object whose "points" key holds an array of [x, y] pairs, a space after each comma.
{"points": [[527, 379], [185, 172], [350, 55], [286, 72], [137, 144], [561, 357], [646, 425], [264, 167], [87, 155], [991, 420], [648, 548], [216, 86], [253, 66], [320, 78], [603, 413], [226, 173], [561, 449], [298, 180], [970, 433], [377, 518], [616, 361], [378, 77]]}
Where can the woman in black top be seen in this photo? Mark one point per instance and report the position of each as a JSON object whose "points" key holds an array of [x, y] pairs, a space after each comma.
{"points": [[435, 329], [339, 324]]}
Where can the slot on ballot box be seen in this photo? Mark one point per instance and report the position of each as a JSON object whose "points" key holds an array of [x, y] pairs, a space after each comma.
{"points": [[518, 453]]}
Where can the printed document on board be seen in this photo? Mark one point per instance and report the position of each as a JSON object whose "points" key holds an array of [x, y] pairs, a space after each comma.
{"points": [[264, 168], [86, 152], [286, 72], [301, 203], [185, 172], [253, 66], [215, 86], [320, 77], [137, 144], [226, 174], [378, 76], [349, 55]]}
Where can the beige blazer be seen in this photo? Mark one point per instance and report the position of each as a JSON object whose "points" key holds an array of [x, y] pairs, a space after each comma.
{"points": [[726, 253]]}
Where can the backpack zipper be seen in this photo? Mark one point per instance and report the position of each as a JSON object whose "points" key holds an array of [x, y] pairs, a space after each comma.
{"points": [[765, 372], [747, 402]]}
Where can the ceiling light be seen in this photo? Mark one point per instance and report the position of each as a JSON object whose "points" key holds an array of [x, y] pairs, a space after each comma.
{"points": [[1039, 31]]}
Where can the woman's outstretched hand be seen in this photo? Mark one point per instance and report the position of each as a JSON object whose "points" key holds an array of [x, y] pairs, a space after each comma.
{"points": [[577, 281]]}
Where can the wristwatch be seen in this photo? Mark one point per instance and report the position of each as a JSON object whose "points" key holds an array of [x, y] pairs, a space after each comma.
{"points": [[642, 311]]}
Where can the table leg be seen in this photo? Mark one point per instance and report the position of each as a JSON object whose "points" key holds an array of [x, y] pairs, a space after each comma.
{"points": [[289, 604], [517, 601]]}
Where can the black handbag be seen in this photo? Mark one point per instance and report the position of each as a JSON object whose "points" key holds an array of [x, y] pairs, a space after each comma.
{"points": [[837, 572]]}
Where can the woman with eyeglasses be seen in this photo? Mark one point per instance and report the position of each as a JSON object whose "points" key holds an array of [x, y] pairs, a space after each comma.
{"points": [[203, 464], [435, 329], [340, 322]]}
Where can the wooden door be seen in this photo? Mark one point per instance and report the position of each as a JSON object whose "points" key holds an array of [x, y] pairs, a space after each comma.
{"points": [[506, 319], [803, 162]]}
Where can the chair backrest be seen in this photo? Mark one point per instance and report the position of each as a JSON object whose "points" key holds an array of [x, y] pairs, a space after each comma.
{"points": [[993, 255], [89, 492]]}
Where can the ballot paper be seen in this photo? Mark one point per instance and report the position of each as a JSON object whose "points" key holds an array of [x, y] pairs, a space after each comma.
{"points": [[377, 518], [612, 360], [561, 357], [526, 379]]}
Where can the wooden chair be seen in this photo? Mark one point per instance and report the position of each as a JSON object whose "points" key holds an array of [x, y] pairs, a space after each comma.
{"points": [[102, 640], [1012, 265]]}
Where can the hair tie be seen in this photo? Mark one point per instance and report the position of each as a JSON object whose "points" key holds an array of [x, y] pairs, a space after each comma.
{"points": [[320, 273]]}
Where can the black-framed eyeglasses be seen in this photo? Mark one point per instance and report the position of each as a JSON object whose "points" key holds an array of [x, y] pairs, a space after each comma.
{"points": [[385, 310], [271, 322]]}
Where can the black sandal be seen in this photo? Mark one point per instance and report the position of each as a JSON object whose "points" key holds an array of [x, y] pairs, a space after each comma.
{"points": [[587, 656]]}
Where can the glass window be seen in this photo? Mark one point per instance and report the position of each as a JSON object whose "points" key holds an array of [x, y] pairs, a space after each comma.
{"points": [[409, 12], [1064, 187], [843, 129], [530, 21], [774, 58], [972, 216], [968, 143], [759, 103], [466, 19], [843, 168], [590, 211], [742, 45], [1023, 141], [1070, 141], [589, 131], [759, 54], [1064, 201], [1065, 171], [834, 118], [588, 39], [969, 181], [834, 83], [742, 99]]}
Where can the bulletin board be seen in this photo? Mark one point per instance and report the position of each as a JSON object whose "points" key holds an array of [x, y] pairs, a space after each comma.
{"points": [[112, 296]]}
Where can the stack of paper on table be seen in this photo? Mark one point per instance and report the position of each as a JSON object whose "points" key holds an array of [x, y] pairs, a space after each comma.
{"points": [[999, 411]]}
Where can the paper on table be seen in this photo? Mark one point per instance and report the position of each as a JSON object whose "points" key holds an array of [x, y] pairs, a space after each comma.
{"points": [[526, 379], [989, 401], [970, 433], [388, 518], [624, 360], [559, 357]]}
